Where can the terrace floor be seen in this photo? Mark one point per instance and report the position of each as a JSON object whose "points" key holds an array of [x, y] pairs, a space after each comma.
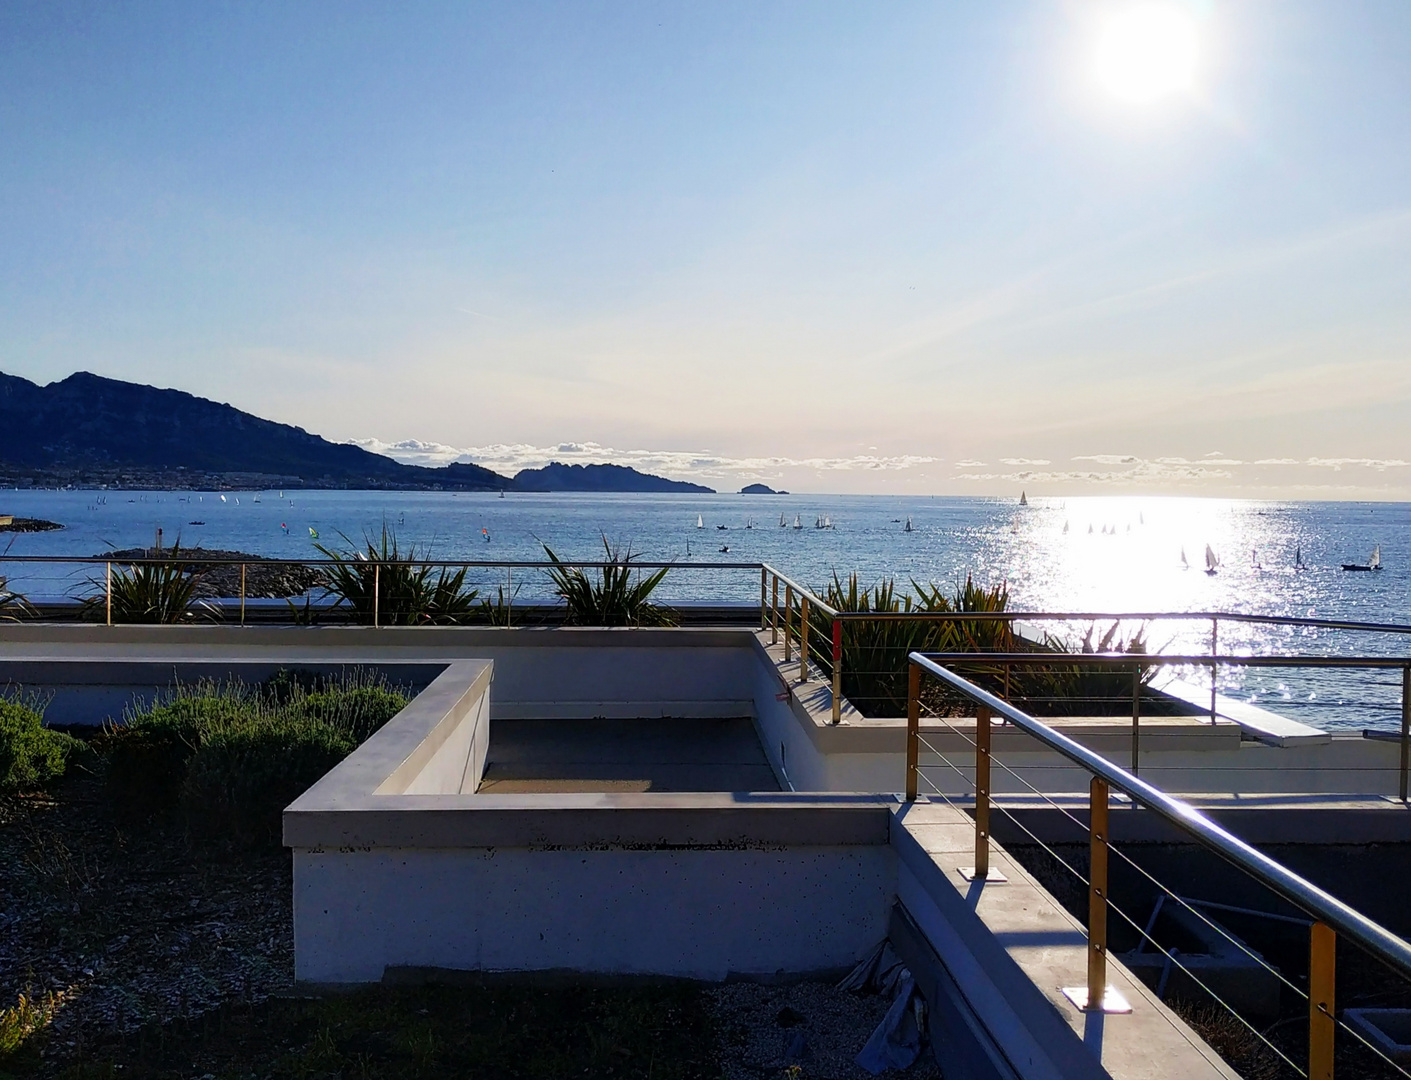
{"points": [[659, 754]]}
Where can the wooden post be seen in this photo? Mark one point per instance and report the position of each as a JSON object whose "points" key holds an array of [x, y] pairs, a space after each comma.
{"points": [[837, 671], [774, 613], [788, 614], [1322, 971], [1136, 715], [763, 598], [803, 638], [376, 592], [1405, 726], [1214, 648], [982, 793], [1097, 894], [242, 594], [110, 593], [913, 728]]}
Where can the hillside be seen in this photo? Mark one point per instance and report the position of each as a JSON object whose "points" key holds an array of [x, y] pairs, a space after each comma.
{"points": [[87, 429]]}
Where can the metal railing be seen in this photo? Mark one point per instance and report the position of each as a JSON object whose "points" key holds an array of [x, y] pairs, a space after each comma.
{"points": [[1139, 664], [1330, 916]]}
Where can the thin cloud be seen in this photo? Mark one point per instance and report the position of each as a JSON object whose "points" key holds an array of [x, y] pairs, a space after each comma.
{"points": [[510, 458], [1021, 461]]}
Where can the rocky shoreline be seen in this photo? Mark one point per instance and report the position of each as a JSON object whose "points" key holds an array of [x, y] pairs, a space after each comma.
{"points": [[264, 578], [26, 525]]}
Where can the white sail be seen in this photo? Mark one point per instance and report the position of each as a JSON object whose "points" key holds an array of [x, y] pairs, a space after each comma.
{"points": [[700, 522], [1211, 562], [782, 523], [1023, 498], [798, 523], [908, 524], [1297, 557], [1375, 562], [1065, 528], [1185, 565]]}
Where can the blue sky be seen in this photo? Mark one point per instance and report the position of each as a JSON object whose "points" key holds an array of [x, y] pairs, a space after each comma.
{"points": [[865, 247]]}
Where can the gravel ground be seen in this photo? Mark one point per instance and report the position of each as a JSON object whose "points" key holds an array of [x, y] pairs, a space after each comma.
{"points": [[129, 927], [819, 1028]]}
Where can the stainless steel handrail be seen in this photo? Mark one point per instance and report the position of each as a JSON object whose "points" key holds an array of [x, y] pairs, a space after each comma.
{"points": [[1300, 892]]}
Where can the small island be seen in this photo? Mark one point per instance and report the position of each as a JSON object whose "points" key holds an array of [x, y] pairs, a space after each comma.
{"points": [[760, 489]]}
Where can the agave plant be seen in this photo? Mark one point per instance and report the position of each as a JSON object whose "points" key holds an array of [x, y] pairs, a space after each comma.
{"points": [[612, 597], [13, 606], [874, 652], [382, 582], [146, 592]]}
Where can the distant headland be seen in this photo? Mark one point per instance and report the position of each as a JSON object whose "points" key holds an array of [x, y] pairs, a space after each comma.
{"points": [[760, 489], [89, 431]]}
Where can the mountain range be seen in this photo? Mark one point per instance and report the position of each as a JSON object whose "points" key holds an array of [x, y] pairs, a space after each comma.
{"points": [[87, 430]]}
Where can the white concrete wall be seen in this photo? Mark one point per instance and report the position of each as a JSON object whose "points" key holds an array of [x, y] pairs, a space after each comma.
{"points": [[702, 914]]}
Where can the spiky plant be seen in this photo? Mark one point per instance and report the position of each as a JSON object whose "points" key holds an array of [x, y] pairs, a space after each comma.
{"points": [[874, 651], [395, 587], [611, 597], [147, 592], [13, 605]]}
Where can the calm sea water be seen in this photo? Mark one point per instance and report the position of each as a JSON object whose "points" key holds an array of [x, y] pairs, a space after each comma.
{"points": [[1091, 554]]}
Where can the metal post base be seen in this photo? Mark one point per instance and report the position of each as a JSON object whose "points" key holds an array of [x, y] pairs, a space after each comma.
{"points": [[992, 876], [1112, 1000]]}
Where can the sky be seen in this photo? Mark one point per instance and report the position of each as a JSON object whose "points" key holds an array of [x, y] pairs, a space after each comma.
{"points": [[904, 247]]}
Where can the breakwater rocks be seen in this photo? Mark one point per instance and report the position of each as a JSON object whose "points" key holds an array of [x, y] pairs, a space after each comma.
{"points": [[264, 578], [21, 524]]}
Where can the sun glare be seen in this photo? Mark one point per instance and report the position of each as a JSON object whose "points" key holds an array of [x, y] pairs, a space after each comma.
{"points": [[1146, 52]]}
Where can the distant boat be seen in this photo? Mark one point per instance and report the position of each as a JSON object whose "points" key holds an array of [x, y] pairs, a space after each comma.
{"points": [[257, 498], [222, 498], [1090, 528], [908, 527], [782, 523], [725, 549], [195, 523], [1141, 520], [1212, 563], [797, 523], [749, 524], [722, 528], [502, 493], [1065, 528], [1374, 563], [1254, 559], [700, 522], [1298, 559], [1023, 498], [1185, 564]]}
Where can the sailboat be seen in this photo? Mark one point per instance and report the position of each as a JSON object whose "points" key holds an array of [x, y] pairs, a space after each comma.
{"points": [[797, 523], [1298, 563], [782, 523], [1212, 563], [1023, 498], [1065, 528], [1374, 563], [908, 527], [1185, 564], [700, 522], [1254, 559]]}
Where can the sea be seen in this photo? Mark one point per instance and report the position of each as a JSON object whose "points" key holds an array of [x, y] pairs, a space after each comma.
{"points": [[1090, 554]]}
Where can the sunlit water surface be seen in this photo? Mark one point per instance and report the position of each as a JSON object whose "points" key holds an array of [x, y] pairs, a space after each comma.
{"points": [[1080, 554]]}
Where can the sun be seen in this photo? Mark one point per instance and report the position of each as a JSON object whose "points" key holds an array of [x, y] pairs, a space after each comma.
{"points": [[1147, 51]]}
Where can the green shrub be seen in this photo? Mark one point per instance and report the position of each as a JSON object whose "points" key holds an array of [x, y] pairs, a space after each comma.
{"points": [[358, 711], [31, 756], [231, 757], [148, 756], [244, 774]]}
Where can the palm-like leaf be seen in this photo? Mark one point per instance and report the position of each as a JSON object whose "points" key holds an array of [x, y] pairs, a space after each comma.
{"points": [[613, 597], [401, 591]]}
